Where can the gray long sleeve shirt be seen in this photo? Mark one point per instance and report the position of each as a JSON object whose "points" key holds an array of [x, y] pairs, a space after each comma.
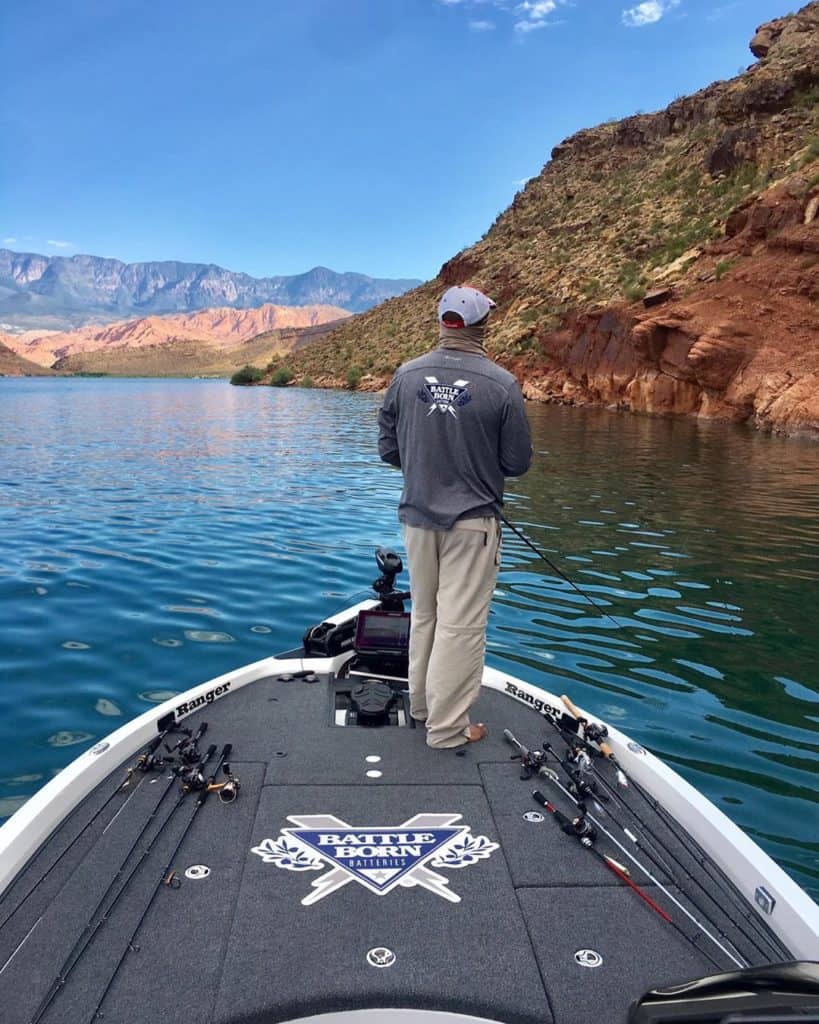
{"points": [[455, 424]]}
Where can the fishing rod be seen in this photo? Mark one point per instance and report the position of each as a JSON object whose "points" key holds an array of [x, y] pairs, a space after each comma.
{"points": [[209, 787], [145, 762], [191, 778], [552, 776], [597, 733], [556, 569], [587, 788], [709, 867], [586, 835], [580, 789], [537, 762]]}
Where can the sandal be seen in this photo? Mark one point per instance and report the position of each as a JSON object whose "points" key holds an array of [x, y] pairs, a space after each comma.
{"points": [[475, 732]]}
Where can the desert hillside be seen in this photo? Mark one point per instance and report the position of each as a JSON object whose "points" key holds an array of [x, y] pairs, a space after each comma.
{"points": [[191, 358], [13, 365], [668, 262], [222, 328]]}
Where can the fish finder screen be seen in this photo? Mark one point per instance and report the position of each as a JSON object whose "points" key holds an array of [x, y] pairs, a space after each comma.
{"points": [[386, 632]]}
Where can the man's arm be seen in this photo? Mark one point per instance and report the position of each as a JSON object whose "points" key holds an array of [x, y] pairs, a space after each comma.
{"points": [[387, 437], [515, 448]]}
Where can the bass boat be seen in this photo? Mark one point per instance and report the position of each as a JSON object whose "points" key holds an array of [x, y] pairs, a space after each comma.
{"points": [[280, 844]]}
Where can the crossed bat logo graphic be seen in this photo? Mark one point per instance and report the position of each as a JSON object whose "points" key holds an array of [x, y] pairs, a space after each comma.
{"points": [[380, 859], [444, 397]]}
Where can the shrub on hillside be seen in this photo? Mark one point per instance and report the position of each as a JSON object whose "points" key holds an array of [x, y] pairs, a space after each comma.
{"points": [[353, 377], [247, 375], [281, 378]]}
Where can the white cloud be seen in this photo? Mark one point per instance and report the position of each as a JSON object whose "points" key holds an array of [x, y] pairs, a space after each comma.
{"points": [[526, 16], [647, 13], [536, 9], [530, 26], [58, 243], [535, 13], [9, 240]]}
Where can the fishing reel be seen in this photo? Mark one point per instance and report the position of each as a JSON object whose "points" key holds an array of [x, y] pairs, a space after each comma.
{"points": [[191, 777], [578, 757], [227, 790], [581, 829], [533, 762], [149, 761], [586, 787], [188, 752], [595, 732]]}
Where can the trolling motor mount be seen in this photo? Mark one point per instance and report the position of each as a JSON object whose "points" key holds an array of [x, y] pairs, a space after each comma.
{"points": [[389, 564]]}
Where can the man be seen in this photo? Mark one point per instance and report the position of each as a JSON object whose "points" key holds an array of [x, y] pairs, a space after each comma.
{"points": [[455, 424]]}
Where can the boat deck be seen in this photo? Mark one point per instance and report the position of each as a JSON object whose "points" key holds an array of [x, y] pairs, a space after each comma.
{"points": [[240, 945]]}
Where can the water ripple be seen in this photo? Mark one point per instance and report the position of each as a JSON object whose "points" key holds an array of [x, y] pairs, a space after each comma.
{"points": [[259, 509]]}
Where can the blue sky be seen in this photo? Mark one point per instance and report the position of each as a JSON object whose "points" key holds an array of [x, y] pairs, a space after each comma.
{"points": [[269, 136]]}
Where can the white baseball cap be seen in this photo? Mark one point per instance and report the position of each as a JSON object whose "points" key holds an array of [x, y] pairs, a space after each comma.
{"points": [[470, 304]]}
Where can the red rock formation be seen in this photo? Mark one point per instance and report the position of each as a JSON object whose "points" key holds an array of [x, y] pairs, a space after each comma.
{"points": [[743, 347], [220, 327]]}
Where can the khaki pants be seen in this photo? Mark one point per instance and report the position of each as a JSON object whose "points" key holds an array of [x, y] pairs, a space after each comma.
{"points": [[452, 579]]}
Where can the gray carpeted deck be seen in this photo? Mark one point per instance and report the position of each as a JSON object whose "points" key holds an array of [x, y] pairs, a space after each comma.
{"points": [[239, 946]]}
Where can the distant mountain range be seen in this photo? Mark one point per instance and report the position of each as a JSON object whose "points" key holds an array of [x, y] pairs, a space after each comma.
{"points": [[63, 292]]}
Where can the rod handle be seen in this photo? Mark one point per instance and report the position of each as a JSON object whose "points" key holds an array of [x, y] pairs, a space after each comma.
{"points": [[564, 822], [510, 737], [574, 711]]}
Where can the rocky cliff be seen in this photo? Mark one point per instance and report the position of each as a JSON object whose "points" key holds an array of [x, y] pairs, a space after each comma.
{"points": [[665, 263], [58, 292], [220, 328]]}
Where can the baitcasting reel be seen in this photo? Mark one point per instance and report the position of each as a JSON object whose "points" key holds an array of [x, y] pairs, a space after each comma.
{"points": [[227, 790]]}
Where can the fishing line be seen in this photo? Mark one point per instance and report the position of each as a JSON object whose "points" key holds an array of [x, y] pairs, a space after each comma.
{"points": [[559, 571]]}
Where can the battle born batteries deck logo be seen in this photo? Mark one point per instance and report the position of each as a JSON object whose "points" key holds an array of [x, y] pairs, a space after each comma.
{"points": [[380, 859]]}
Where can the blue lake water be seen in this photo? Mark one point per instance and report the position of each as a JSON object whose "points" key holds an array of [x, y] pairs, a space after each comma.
{"points": [[156, 533]]}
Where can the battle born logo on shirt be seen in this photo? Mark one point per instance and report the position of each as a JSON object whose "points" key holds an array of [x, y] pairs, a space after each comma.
{"points": [[444, 397], [380, 859]]}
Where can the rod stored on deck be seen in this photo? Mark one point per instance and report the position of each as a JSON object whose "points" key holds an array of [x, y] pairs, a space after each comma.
{"points": [[580, 828], [583, 749], [190, 776], [168, 876], [535, 762]]}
